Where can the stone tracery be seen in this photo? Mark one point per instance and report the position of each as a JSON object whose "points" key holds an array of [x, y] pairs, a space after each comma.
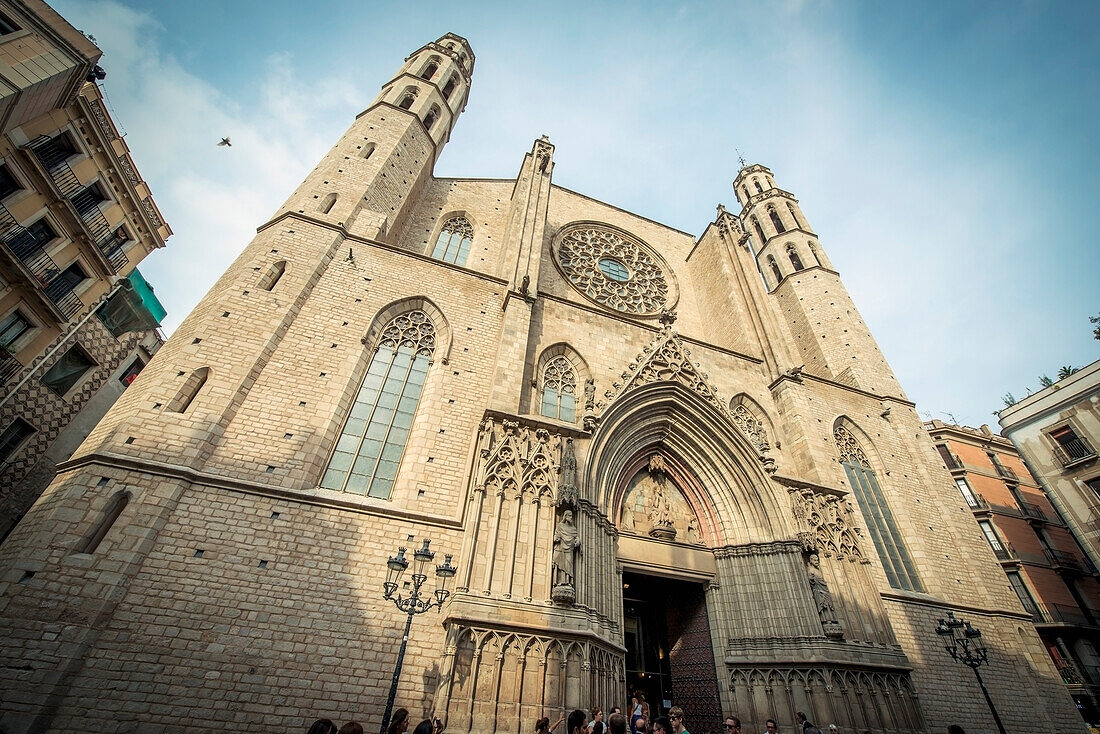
{"points": [[644, 291]]}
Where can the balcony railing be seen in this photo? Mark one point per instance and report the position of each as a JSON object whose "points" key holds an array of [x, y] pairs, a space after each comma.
{"points": [[1034, 511], [1071, 675], [976, 502], [1062, 559], [1006, 553], [1073, 450], [1003, 470], [1066, 615], [9, 365], [85, 200], [27, 248]]}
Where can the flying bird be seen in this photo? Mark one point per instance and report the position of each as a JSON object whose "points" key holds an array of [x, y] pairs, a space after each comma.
{"points": [[225, 141]]}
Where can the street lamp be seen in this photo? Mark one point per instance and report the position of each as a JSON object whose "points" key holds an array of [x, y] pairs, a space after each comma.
{"points": [[413, 603], [964, 644]]}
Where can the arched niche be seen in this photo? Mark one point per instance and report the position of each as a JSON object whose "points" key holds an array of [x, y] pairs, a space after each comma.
{"points": [[711, 461], [655, 504]]}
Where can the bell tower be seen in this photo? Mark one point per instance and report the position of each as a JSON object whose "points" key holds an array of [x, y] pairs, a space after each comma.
{"points": [[367, 180], [826, 330]]}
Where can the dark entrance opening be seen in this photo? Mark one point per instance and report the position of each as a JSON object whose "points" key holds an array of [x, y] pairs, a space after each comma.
{"points": [[669, 657]]}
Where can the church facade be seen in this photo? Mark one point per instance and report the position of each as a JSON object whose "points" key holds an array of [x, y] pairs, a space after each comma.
{"points": [[662, 463]]}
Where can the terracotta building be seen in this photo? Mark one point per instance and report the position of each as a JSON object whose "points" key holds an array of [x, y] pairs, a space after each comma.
{"points": [[657, 461], [77, 320], [1055, 581]]}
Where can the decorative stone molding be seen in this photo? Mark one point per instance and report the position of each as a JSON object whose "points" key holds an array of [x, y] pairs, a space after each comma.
{"points": [[827, 525], [518, 460], [102, 121], [667, 359], [614, 269], [775, 547]]}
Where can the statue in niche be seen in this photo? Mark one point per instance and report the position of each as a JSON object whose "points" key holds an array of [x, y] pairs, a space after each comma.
{"points": [[660, 508], [589, 394], [566, 545], [823, 598], [567, 484], [653, 506]]}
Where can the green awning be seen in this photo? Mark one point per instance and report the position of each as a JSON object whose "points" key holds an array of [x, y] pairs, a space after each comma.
{"points": [[133, 307]]}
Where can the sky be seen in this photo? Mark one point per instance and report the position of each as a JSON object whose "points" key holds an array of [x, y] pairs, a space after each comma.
{"points": [[945, 153]]}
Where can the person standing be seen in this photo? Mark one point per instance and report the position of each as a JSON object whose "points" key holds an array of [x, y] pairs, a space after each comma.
{"points": [[597, 718], [578, 722], [733, 725], [676, 717]]}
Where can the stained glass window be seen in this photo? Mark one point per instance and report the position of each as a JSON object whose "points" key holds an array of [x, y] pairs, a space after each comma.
{"points": [[373, 439], [453, 243], [559, 390]]}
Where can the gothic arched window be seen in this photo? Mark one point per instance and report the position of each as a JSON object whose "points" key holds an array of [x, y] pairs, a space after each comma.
{"points": [[431, 117], [559, 390], [756, 183], [366, 151], [881, 525], [449, 87], [776, 221], [189, 391], [796, 261], [759, 230], [373, 439], [431, 68], [453, 243], [273, 274], [794, 217], [99, 532], [327, 203], [408, 98], [775, 269], [813, 251]]}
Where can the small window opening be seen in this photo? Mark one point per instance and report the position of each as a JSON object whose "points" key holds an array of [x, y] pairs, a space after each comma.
{"points": [[189, 391], [365, 153], [756, 183], [273, 275], [776, 221], [118, 504], [796, 261], [449, 87], [775, 269], [327, 203]]}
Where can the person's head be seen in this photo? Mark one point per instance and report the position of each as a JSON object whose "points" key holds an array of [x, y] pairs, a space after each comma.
{"points": [[437, 725], [955, 729], [616, 723], [676, 716], [352, 727], [597, 728], [834, 729], [661, 725], [424, 727], [733, 725], [597, 714], [771, 726], [577, 721], [399, 722], [616, 710], [542, 724], [322, 726], [800, 717], [641, 724]]}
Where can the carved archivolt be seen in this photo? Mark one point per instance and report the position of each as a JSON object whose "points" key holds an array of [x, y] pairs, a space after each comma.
{"points": [[668, 359], [518, 459], [827, 524]]}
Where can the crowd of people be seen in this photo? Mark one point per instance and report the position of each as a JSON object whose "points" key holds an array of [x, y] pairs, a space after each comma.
{"points": [[579, 722]]}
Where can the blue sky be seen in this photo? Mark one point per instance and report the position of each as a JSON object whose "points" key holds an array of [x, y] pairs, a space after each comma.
{"points": [[945, 153]]}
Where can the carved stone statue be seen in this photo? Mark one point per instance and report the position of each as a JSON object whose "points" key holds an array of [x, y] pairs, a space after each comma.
{"points": [[823, 598], [566, 545], [589, 394], [567, 484], [660, 509]]}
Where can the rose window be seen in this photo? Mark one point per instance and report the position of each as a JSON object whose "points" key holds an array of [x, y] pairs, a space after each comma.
{"points": [[613, 270]]}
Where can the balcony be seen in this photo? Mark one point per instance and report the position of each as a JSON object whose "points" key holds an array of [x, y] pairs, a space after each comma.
{"points": [[1003, 471], [1064, 615], [9, 365], [1072, 451], [1006, 553], [1034, 512], [24, 246], [1071, 675], [976, 502], [1064, 561], [85, 200]]}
